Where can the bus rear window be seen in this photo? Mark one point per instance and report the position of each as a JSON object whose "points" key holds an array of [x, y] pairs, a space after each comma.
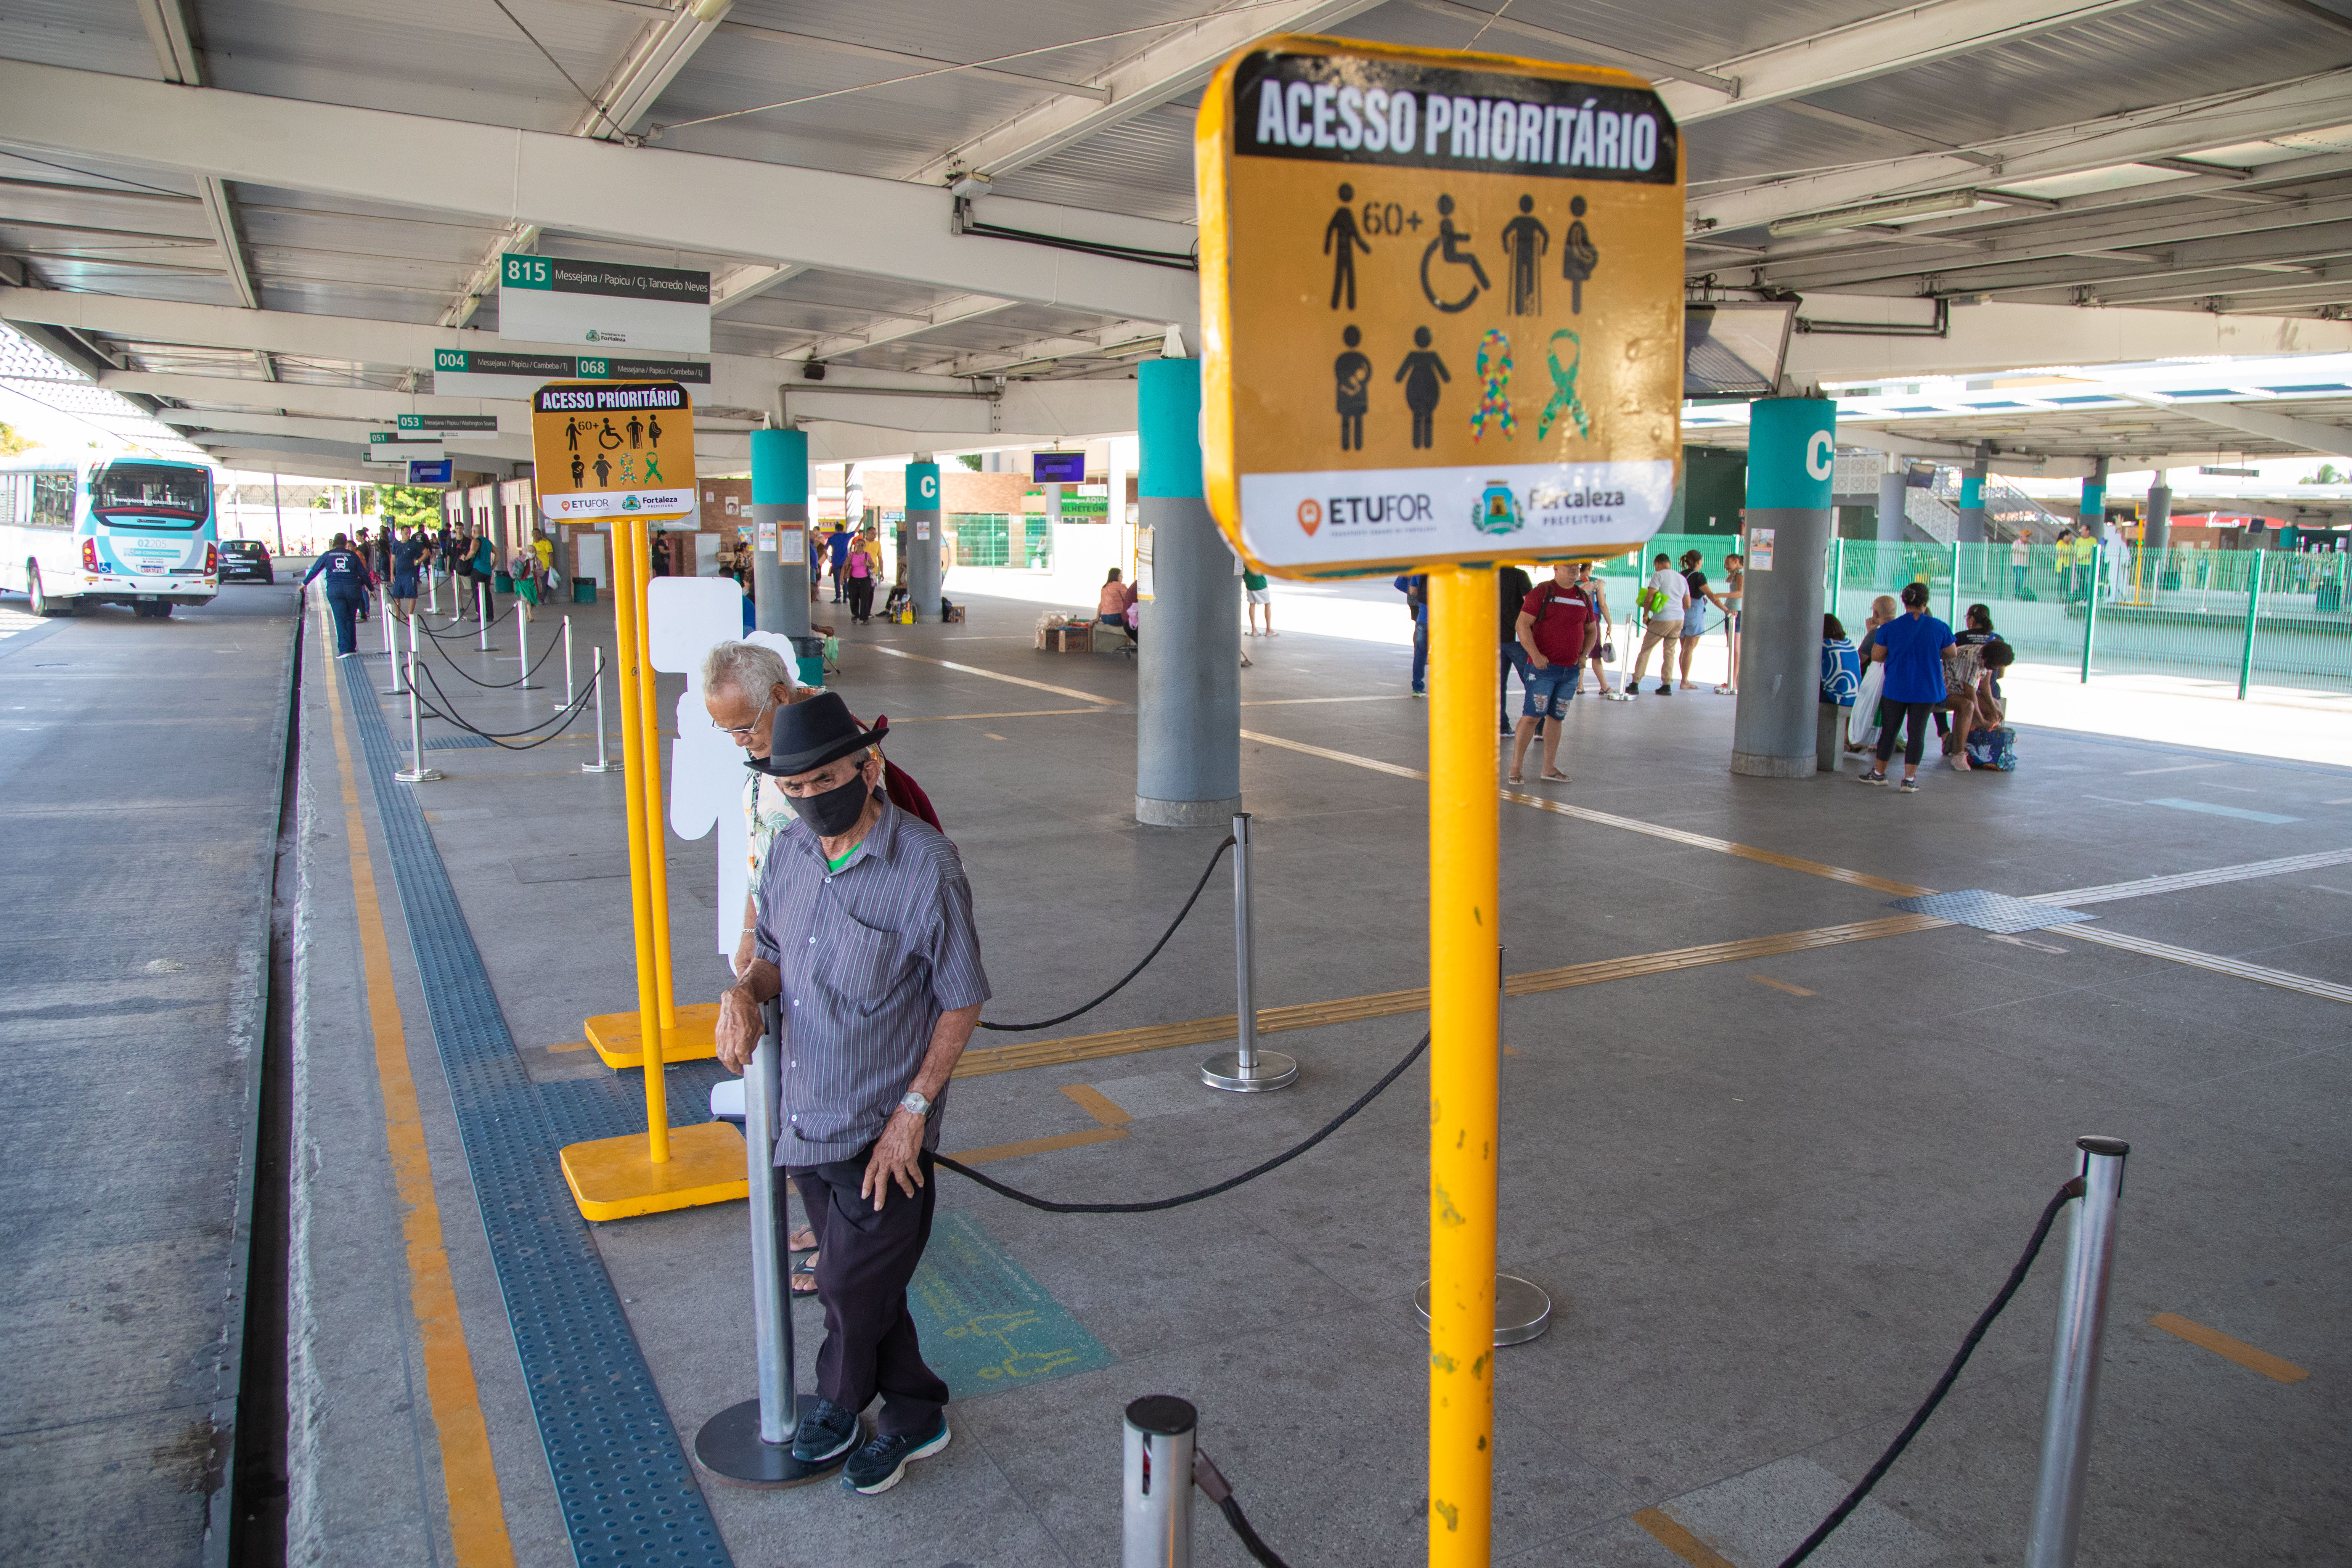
{"points": [[124, 490]]}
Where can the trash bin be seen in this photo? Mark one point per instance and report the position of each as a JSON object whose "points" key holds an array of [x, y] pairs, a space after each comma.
{"points": [[584, 590], [809, 654], [501, 583]]}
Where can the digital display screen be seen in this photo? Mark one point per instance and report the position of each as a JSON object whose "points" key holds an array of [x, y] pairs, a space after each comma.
{"points": [[1734, 349], [1058, 467]]}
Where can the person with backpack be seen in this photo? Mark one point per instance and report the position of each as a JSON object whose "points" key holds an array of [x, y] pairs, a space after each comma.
{"points": [[1557, 629], [349, 578], [1665, 603], [1912, 648]]}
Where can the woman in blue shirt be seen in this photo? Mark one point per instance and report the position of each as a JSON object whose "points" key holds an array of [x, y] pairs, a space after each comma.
{"points": [[1911, 647]]}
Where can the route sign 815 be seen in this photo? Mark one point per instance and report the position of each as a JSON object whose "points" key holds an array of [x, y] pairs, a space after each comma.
{"points": [[1442, 307]]}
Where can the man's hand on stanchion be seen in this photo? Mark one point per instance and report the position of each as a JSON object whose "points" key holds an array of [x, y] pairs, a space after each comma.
{"points": [[740, 1026]]}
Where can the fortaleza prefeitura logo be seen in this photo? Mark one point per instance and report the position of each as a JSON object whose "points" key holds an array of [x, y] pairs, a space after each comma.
{"points": [[1497, 511]]}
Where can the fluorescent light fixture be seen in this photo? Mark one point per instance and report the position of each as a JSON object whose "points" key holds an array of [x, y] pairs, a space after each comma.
{"points": [[1881, 212]]}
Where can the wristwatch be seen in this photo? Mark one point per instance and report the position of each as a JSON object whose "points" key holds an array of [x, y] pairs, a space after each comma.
{"points": [[917, 1103]]}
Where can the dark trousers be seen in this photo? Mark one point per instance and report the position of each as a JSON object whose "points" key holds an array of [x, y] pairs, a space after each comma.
{"points": [[861, 599], [863, 1262], [343, 607], [1892, 715]]}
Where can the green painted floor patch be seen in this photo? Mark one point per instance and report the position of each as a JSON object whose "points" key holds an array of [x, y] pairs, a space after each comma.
{"points": [[986, 1326]]}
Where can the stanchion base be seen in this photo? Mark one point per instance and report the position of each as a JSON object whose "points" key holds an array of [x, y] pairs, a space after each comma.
{"points": [[419, 776], [1274, 1070], [529, 686], [614, 1037], [611, 1178], [1614, 697], [600, 767], [729, 1449], [1522, 1312]]}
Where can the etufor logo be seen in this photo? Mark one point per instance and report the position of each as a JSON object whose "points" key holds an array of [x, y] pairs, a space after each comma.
{"points": [[1310, 515]]}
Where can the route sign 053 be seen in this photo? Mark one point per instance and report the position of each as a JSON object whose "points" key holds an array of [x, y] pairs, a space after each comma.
{"points": [[613, 449], [1442, 297]]}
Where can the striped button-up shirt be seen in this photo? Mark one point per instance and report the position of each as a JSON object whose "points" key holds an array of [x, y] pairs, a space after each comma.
{"points": [[870, 955]]}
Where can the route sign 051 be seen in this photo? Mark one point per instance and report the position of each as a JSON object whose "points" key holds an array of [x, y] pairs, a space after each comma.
{"points": [[1442, 297], [613, 449]]}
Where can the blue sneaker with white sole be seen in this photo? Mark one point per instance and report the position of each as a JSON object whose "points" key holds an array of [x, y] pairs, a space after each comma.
{"points": [[878, 1466], [826, 1432]]}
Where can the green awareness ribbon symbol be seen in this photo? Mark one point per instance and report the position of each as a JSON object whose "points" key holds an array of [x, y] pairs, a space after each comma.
{"points": [[1563, 384]]}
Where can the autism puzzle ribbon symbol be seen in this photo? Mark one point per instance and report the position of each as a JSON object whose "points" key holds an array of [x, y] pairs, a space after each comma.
{"points": [[1563, 386], [1494, 370]]}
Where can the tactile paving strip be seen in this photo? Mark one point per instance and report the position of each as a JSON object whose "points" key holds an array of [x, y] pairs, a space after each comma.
{"points": [[625, 1486], [1990, 912]]}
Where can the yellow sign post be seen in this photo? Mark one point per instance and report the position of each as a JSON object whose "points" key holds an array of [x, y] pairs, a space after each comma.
{"points": [[1440, 297], [624, 451]]}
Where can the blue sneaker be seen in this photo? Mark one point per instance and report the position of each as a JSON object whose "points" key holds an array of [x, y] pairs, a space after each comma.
{"points": [[877, 1467], [826, 1432]]}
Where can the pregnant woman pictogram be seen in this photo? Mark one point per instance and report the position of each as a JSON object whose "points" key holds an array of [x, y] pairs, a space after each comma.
{"points": [[1451, 240], [1421, 373]]}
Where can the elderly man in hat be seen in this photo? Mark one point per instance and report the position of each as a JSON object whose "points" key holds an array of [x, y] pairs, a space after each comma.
{"points": [[866, 934]]}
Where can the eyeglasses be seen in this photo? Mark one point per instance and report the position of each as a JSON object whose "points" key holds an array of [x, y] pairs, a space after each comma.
{"points": [[748, 730]]}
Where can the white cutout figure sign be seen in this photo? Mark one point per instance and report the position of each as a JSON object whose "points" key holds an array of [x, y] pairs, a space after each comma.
{"points": [[685, 618]]}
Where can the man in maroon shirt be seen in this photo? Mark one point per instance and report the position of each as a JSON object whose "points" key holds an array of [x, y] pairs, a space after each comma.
{"points": [[1558, 629]]}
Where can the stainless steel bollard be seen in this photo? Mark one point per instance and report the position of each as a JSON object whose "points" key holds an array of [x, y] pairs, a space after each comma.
{"points": [[481, 617], [416, 772], [569, 695], [391, 647], [523, 646], [596, 674], [1247, 1070], [2075, 1365], [1155, 1492]]}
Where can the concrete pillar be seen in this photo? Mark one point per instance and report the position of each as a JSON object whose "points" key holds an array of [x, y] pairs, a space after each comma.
{"points": [[1972, 508], [1894, 501], [2094, 511], [2158, 535], [1188, 748], [1791, 459], [780, 531], [923, 538]]}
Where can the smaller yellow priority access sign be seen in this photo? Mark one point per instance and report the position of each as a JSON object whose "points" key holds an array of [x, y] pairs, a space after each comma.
{"points": [[613, 449], [1442, 297]]}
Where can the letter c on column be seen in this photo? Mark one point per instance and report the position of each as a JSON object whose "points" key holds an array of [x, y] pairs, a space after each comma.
{"points": [[1821, 454]]}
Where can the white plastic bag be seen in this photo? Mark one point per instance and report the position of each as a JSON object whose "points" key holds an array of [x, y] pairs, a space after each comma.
{"points": [[1862, 719]]}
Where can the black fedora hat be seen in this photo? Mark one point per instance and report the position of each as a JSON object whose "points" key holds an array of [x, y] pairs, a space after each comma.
{"points": [[805, 736]]}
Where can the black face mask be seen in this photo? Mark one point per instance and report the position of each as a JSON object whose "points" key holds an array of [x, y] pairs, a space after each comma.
{"points": [[833, 812]]}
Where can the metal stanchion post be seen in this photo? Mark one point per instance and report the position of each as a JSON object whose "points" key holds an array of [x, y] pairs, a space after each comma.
{"points": [[1247, 1070], [390, 648], [596, 674], [2075, 1365], [1624, 663], [481, 617], [416, 772], [750, 1444], [522, 648], [1156, 1491], [568, 694]]}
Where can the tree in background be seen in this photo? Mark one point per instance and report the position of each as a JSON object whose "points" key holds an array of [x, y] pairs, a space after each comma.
{"points": [[408, 506], [13, 442]]}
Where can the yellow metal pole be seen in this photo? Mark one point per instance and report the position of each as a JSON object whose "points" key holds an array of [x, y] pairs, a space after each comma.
{"points": [[1463, 936], [657, 813], [632, 766]]}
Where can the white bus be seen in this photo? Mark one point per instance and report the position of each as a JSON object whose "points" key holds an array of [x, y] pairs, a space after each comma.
{"points": [[121, 530]]}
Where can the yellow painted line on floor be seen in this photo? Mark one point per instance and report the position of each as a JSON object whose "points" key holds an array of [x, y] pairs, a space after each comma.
{"points": [[1393, 1004], [1631, 824], [478, 1525], [1671, 1534], [2323, 989], [1780, 985], [991, 675], [1030, 713], [1098, 1104], [1040, 1145], [2222, 1345]]}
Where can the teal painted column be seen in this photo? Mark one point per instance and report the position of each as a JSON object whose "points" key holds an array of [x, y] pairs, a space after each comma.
{"points": [[1188, 748], [780, 579], [1972, 508], [1792, 457], [923, 571]]}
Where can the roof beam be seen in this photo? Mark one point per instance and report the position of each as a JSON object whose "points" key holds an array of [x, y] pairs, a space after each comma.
{"points": [[176, 58], [733, 287], [223, 219], [2329, 440], [1144, 80], [969, 308], [2310, 104], [1576, 47], [925, 64], [296, 396], [728, 205], [653, 62]]}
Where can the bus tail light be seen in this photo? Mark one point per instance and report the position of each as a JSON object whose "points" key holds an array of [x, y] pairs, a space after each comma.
{"points": [[89, 556], [212, 560]]}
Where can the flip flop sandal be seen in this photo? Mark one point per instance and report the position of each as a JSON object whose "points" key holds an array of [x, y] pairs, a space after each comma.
{"points": [[1552, 778], [799, 1274]]}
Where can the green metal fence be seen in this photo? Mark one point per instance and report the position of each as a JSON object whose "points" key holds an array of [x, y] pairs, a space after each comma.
{"points": [[996, 539]]}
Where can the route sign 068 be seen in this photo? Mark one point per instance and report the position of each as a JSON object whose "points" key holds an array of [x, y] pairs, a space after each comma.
{"points": [[1443, 304]]}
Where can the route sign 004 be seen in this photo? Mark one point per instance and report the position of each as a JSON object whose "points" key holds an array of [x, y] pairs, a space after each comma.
{"points": [[1442, 297], [613, 449]]}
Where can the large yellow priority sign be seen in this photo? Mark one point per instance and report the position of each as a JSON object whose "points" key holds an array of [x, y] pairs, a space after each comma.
{"points": [[613, 449], [1442, 297]]}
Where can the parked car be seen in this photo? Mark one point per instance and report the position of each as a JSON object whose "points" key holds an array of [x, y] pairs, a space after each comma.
{"points": [[246, 560]]}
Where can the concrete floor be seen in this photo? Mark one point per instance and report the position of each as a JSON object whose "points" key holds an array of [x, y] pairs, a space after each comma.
{"points": [[1769, 1196], [139, 789]]}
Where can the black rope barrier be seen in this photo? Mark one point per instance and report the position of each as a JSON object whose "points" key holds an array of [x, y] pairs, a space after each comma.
{"points": [[562, 717], [1115, 989], [1051, 1207], [1212, 1482], [500, 685], [452, 634], [2060, 1199]]}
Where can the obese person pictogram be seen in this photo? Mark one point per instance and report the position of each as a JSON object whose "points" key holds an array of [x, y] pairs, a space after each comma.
{"points": [[1495, 296], [614, 449]]}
